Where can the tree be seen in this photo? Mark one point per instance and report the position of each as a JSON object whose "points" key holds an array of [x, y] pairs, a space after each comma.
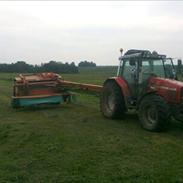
{"points": [[52, 66], [86, 64]]}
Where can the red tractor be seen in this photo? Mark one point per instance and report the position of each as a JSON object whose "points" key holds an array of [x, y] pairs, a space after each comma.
{"points": [[145, 82]]}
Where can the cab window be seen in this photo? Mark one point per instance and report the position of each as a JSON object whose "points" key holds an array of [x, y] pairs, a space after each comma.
{"points": [[129, 69]]}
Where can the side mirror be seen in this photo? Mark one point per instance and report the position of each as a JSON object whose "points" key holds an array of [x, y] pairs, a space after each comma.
{"points": [[179, 70]]}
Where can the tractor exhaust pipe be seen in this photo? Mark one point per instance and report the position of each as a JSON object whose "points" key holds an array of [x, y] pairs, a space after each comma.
{"points": [[120, 61]]}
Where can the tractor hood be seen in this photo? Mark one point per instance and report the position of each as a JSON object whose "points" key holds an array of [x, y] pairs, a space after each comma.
{"points": [[172, 90], [166, 82]]}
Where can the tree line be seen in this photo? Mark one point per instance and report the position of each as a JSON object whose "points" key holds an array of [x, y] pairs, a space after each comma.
{"points": [[52, 66]]}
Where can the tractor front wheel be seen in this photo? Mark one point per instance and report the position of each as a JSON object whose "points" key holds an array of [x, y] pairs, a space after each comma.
{"points": [[112, 103], [153, 113]]}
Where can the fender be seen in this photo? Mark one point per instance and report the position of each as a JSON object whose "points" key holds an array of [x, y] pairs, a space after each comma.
{"points": [[124, 87]]}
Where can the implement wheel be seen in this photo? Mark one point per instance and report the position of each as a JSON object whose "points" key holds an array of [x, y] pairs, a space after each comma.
{"points": [[112, 103], [153, 113]]}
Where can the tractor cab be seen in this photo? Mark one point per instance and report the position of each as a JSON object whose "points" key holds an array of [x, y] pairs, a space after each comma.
{"points": [[137, 66]]}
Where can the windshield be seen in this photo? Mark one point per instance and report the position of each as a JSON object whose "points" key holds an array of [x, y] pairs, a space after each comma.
{"points": [[159, 67], [169, 68], [153, 66]]}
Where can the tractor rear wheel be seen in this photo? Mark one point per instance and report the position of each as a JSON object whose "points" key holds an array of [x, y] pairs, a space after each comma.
{"points": [[112, 103], [153, 113]]}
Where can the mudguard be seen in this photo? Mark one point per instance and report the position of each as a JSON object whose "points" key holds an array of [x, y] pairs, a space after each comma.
{"points": [[124, 88]]}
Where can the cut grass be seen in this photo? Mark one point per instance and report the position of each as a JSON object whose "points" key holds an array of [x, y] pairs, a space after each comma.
{"points": [[75, 143]]}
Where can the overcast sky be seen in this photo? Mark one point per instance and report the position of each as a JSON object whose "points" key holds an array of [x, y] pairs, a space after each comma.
{"points": [[95, 31]]}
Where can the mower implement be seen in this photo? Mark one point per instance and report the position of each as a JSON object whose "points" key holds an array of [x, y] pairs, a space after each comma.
{"points": [[45, 88]]}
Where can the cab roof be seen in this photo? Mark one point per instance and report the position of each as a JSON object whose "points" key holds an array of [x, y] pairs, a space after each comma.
{"points": [[141, 53]]}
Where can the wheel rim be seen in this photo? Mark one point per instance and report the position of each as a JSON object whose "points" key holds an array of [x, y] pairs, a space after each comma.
{"points": [[110, 101], [151, 115]]}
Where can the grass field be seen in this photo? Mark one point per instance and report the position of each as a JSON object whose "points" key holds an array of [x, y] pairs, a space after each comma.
{"points": [[75, 143]]}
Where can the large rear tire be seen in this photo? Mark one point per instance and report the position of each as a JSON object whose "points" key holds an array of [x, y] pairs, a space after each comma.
{"points": [[153, 113], [112, 103]]}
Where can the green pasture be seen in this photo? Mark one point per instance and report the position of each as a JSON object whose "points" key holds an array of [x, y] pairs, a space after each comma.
{"points": [[74, 143]]}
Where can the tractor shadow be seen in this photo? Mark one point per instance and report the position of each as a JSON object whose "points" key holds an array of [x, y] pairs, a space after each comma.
{"points": [[173, 128], [130, 118], [40, 108]]}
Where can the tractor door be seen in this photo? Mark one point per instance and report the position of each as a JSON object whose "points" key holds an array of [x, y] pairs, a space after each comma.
{"points": [[130, 74], [145, 72]]}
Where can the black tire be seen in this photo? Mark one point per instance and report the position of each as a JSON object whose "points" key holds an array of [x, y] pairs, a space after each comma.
{"points": [[153, 113], [112, 103]]}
